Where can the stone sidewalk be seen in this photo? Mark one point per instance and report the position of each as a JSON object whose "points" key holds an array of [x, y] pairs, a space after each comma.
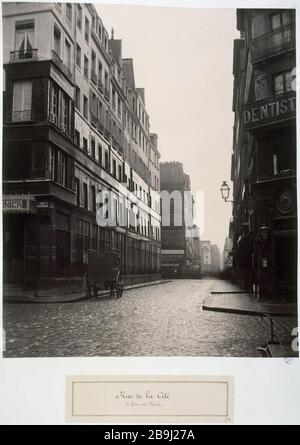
{"points": [[282, 317], [55, 295]]}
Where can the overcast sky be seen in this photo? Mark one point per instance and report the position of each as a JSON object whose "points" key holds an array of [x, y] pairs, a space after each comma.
{"points": [[183, 59]]}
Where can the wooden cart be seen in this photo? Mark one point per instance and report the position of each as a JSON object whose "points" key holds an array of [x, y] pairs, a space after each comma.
{"points": [[104, 272]]}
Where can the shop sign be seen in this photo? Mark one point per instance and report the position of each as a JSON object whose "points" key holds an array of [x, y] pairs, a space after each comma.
{"points": [[268, 111], [19, 204]]}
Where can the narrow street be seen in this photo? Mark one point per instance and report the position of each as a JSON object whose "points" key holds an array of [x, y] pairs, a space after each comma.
{"points": [[160, 320]]}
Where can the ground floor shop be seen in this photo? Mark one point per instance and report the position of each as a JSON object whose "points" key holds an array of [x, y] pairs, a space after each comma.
{"points": [[50, 244]]}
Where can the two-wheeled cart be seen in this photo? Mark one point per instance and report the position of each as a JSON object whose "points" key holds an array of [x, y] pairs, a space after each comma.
{"points": [[104, 272]]}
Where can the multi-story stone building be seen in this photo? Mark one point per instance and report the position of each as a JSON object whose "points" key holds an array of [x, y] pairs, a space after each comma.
{"points": [[264, 152], [74, 125], [180, 237], [210, 258]]}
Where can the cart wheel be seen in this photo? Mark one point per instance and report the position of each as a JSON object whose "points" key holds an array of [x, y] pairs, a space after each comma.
{"points": [[119, 285], [86, 285]]}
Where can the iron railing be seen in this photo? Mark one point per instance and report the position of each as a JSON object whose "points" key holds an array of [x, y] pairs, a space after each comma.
{"points": [[21, 116], [59, 63], [94, 77], [23, 54], [274, 42]]}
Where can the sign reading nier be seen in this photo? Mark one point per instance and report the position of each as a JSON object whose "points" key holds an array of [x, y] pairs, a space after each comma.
{"points": [[268, 110], [18, 204]]}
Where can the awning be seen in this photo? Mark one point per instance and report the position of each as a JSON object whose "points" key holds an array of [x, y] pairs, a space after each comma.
{"points": [[18, 204]]}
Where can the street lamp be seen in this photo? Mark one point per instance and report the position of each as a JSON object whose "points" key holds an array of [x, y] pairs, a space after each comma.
{"points": [[225, 189]]}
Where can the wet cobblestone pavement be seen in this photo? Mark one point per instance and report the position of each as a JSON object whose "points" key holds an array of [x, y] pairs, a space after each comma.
{"points": [[162, 320]]}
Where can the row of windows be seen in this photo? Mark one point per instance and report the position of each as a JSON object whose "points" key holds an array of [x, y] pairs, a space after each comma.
{"points": [[86, 198], [60, 167], [273, 84], [98, 74], [96, 27]]}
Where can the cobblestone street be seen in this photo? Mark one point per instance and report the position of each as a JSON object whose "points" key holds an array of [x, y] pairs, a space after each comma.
{"points": [[160, 320]]}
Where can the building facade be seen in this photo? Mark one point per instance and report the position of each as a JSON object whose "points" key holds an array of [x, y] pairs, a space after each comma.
{"points": [[210, 258], [180, 237], [264, 222], [75, 125]]}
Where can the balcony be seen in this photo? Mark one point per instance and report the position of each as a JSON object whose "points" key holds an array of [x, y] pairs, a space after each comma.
{"points": [[106, 94], [23, 55], [21, 116], [273, 43], [100, 86], [63, 68], [94, 77], [94, 119], [269, 111]]}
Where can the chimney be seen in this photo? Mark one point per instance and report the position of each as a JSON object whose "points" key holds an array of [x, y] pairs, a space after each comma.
{"points": [[112, 33]]}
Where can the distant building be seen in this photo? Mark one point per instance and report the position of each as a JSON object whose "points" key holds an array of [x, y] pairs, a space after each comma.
{"points": [[210, 258], [227, 255], [180, 250]]}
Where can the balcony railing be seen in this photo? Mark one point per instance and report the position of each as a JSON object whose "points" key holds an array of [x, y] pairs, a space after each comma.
{"points": [[274, 42], [23, 54], [100, 86], [269, 110], [94, 119], [59, 63], [106, 94], [94, 77], [21, 116]]}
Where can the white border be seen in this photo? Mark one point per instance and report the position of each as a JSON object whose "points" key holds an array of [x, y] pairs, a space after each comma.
{"points": [[32, 391]]}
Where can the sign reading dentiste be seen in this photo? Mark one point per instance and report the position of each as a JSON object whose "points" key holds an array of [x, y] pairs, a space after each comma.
{"points": [[268, 111]]}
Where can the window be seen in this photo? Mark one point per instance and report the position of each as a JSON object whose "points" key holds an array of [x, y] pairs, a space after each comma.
{"points": [[85, 107], [282, 160], [67, 54], [119, 106], [77, 138], [69, 11], [100, 154], [78, 56], [77, 98], [52, 163], [57, 41], [106, 160], [22, 100], [85, 196], [87, 30], [79, 16], [63, 167], [65, 113], [54, 103], [86, 67], [261, 87], [100, 71], [24, 39], [280, 19], [93, 148], [93, 198], [85, 144], [120, 173], [77, 191], [283, 82], [93, 61], [114, 172]]}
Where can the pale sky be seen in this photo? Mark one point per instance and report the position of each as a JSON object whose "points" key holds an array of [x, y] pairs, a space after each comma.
{"points": [[183, 58]]}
